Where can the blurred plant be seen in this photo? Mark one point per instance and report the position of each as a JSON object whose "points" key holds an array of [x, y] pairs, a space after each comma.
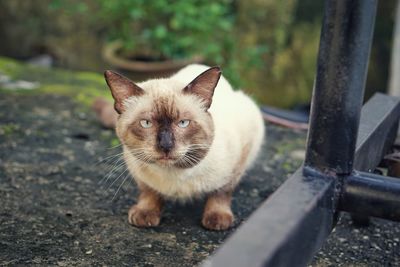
{"points": [[166, 28], [294, 67], [277, 50], [266, 47]]}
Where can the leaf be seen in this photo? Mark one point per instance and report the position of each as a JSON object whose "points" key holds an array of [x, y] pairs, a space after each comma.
{"points": [[160, 31]]}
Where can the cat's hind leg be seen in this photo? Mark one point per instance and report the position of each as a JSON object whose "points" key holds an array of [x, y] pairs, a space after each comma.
{"points": [[147, 211]]}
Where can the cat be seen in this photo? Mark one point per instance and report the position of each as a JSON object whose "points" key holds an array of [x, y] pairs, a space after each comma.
{"points": [[185, 136]]}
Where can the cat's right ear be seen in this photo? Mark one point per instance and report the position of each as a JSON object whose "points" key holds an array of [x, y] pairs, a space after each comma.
{"points": [[121, 89], [203, 85]]}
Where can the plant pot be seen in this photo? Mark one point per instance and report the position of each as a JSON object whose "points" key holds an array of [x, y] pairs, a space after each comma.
{"points": [[143, 69]]}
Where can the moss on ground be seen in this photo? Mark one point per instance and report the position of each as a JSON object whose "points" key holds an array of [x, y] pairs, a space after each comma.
{"points": [[8, 129], [81, 86]]}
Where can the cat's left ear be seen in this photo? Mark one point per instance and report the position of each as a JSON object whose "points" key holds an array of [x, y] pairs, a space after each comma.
{"points": [[121, 89], [203, 85]]}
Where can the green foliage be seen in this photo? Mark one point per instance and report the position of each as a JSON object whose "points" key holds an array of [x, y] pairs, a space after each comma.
{"points": [[276, 53], [266, 47], [286, 78], [166, 28]]}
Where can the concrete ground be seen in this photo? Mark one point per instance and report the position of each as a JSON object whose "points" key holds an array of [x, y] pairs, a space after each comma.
{"points": [[56, 211]]}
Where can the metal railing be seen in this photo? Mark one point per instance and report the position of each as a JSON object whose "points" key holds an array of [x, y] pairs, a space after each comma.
{"points": [[345, 142]]}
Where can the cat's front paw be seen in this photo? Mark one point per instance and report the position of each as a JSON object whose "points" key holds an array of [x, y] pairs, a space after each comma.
{"points": [[143, 218], [217, 220]]}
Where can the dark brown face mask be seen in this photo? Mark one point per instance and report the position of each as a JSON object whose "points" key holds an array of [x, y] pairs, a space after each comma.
{"points": [[165, 140]]}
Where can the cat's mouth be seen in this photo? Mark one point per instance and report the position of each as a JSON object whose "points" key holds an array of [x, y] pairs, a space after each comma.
{"points": [[167, 159]]}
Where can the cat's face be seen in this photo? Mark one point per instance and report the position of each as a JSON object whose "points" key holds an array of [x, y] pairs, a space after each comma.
{"points": [[165, 122]]}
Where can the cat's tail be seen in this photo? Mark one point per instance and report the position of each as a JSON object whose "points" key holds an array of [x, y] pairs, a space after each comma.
{"points": [[105, 112]]}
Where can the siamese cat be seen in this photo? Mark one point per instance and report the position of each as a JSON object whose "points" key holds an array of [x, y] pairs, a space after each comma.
{"points": [[185, 136]]}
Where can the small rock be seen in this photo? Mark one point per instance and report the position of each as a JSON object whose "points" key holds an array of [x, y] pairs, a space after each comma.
{"points": [[42, 181], [37, 260], [89, 252], [77, 178], [20, 84], [4, 78], [44, 61], [65, 131], [254, 192], [82, 116], [297, 154], [374, 245]]}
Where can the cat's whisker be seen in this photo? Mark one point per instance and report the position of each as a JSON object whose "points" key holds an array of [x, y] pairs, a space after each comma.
{"points": [[115, 168], [110, 169], [143, 155], [109, 158], [115, 155], [137, 160], [197, 160], [140, 158], [192, 157], [116, 179], [190, 160], [123, 181], [104, 184], [116, 146], [199, 146], [114, 164], [139, 151]]}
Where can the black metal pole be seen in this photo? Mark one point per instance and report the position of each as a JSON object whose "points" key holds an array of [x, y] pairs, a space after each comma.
{"points": [[346, 39], [371, 195]]}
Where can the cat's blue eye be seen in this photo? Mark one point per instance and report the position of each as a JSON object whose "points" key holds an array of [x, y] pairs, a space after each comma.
{"points": [[183, 123], [146, 123]]}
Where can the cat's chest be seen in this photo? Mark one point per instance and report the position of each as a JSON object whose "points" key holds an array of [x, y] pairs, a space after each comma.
{"points": [[178, 184]]}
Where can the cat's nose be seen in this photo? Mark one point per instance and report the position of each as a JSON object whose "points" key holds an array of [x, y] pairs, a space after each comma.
{"points": [[165, 141]]}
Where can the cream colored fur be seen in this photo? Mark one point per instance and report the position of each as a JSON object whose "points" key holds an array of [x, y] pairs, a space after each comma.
{"points": [[237, 121]]}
